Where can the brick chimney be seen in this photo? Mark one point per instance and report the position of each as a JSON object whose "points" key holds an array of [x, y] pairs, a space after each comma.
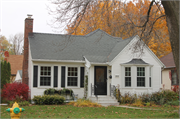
{"points": [[28, 29]]}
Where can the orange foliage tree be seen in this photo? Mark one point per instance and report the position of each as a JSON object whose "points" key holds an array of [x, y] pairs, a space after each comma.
{"points": [[125, 20]]}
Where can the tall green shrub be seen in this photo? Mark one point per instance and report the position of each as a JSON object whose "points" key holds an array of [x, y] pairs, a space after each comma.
{"points": [[8, 72], [5, 73]]}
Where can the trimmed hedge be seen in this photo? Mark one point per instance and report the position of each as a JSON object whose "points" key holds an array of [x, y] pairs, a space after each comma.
{"points": [[48, 99], [52, 91]]}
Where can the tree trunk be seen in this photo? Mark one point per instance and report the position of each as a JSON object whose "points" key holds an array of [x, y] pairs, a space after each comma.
{"points": [[172, 18]]}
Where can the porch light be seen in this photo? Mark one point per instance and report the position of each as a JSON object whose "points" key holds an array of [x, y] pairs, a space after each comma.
{"points": [[109, 71], [110, 77]]}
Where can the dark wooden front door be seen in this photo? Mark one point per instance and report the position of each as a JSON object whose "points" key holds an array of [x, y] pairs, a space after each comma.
{"points": [[100, 80]]}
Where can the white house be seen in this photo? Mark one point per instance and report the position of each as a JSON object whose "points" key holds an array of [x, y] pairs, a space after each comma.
{"points": [[62, 61]]}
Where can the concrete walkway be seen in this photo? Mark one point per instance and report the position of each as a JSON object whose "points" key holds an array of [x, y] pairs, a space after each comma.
{"points": [[4, 104], [134, 107]]}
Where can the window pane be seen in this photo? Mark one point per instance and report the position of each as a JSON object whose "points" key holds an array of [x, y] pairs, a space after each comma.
{"points": [[45, 71], [141, 81], [127, 71], [45, 81], [127, 81], [72, 81], [140, 71]]}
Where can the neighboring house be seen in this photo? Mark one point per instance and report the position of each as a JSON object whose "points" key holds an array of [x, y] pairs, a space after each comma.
{"points": [[18, 76], [62, 61], [169, 73], [16, 64]]}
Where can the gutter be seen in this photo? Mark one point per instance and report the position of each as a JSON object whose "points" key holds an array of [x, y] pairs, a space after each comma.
{"points": [[71, 61]]}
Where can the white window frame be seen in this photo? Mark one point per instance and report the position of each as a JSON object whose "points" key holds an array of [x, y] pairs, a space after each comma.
{"points": [[78, 77], [39, 75], [127, 76], [141, 76]]}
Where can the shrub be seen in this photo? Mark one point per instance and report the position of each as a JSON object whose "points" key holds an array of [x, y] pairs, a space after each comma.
{"points": [[162, 97], [145, 97], [84, 103], [48, 99], [63, 91], [127, 98], [175, 103], [175, 88], [138, 103], [11, 91]]}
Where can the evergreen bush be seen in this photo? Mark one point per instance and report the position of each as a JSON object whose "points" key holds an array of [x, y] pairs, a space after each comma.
{"points": [[48, 99], [5, 73]]}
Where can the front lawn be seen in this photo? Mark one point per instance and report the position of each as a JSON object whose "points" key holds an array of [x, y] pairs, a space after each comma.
{"points": [[69, 111]]}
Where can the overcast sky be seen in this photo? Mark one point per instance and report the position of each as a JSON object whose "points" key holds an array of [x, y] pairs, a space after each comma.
{"points": [[14, 12]]}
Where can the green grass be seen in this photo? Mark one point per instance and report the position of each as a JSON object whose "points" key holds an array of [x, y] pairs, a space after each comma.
{"points": [[69, 111]]}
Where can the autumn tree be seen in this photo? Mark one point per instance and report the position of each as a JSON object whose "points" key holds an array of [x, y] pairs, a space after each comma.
{"points": [[4, 46], [122, 20], [72, 12]]}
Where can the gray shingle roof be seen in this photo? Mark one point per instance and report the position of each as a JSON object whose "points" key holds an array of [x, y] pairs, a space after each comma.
{"points": [[96, 46], [136, 61]]}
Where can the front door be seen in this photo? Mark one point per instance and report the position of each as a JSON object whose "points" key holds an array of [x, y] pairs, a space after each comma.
{"points": [[100, 80]]}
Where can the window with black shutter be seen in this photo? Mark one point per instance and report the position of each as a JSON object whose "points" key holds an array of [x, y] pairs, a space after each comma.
{"points": [[35, 76]]}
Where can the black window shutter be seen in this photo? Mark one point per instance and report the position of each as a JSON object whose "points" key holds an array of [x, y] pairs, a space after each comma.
{"points": [[35, 76], [82, 77], [63, 76], [172, 71], [55, 76]]}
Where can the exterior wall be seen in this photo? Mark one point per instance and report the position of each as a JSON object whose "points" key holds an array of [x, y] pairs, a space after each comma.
{"points": [[40, 89], [165, 79], [118, 72]]}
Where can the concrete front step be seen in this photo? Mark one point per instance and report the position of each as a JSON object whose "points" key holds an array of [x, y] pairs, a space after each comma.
{"points": [[104, 100]]}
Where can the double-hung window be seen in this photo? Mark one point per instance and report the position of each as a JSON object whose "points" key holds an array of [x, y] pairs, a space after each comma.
{"points": [[45, 76], [72, 76], [127, 76], [140, 76]]}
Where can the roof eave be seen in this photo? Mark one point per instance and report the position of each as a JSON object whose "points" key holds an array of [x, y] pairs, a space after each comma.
{"points": [[136, 64], [48, 60]]}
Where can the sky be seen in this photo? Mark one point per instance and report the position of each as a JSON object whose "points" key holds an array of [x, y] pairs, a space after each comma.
{"points": [[14, 12]]}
